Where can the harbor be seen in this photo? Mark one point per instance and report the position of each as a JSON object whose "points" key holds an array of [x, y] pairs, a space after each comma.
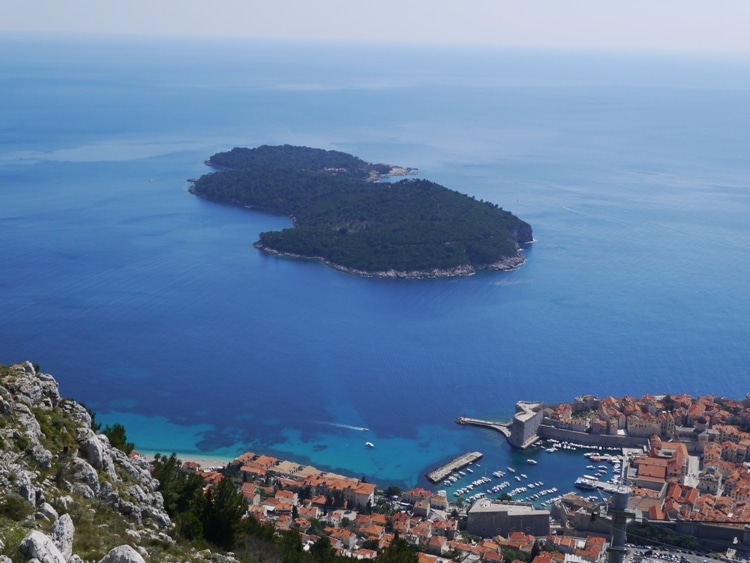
{"points": [[455, 464], [538, 475]]}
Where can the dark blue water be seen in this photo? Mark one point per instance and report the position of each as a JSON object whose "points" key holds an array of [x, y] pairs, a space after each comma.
{"points": [[154, 309]]}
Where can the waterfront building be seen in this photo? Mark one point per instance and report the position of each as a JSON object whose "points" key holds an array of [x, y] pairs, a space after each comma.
{"points": [[525, 423], [355, 492], [598, 426], [422, 507], [488, 518], [586, 403], [642, 424], [416, 494], [439, 501]]}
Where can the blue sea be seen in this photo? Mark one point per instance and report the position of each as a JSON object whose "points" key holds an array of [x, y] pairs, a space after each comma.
{"points": [[153, 308]]}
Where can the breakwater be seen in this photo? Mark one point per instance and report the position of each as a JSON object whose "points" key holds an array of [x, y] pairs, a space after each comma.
{"points": [[501, 427], [455, 464], [547, 430]]}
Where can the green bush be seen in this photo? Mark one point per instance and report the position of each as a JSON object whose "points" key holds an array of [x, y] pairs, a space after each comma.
{"points": [[15, 507], [23, 442], [118, 437]]}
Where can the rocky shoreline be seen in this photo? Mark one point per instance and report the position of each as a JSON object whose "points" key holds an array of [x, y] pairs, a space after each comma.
{"points": [[507, 264]]}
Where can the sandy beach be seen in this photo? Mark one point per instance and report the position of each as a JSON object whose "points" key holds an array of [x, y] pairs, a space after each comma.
{"points": [[204, 461]]}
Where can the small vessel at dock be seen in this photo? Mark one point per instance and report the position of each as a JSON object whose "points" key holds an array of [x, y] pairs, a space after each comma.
{"points": [[586, 484]]}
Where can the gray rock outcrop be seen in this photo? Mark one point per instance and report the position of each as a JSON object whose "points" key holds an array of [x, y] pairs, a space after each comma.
{"points": [[62, 534], [38, 546], [123, 554], [70, 466]]}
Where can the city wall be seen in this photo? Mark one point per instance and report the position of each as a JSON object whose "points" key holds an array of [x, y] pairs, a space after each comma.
{"points": [[712, 536], [605, 440]]}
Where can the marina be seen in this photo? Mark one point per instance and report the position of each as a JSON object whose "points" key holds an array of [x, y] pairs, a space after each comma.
{"points": [[456, 464], [543, 482]]}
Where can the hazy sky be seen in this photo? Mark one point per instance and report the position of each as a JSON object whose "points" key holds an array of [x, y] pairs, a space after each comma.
{"points": [[677, 25]]}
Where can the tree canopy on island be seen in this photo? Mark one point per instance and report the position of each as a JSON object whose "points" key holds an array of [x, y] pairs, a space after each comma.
{"points": [[343, 217], [288, 157]]}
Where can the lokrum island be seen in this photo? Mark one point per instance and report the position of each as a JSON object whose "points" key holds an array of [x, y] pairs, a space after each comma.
{"points": [[345, 217]]}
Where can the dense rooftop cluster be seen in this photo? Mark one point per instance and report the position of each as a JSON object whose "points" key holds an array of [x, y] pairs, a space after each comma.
{"points": [[663, 415], [361, 521], [694, 466]]}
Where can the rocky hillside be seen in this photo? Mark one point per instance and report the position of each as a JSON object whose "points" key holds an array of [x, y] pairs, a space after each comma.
{"points": [[67, 495]]}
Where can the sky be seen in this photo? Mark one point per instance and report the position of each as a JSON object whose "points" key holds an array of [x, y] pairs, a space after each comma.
{"points": [[715, 26]]}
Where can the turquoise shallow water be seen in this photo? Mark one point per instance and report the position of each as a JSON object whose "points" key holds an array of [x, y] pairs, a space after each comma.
{"points": [[154, 309]]}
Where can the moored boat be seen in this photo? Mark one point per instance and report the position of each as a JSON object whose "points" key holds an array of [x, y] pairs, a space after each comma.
{"points": [[585, 484]]}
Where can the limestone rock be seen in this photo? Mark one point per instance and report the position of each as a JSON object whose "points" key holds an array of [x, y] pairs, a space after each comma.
{"points": [[62, 533], [77, 412], [6, 407], [46, 511], [38, 546], [123, 554], [83, 473], [108, 493], [34, 389], [91, 448], [25, 419], [65, 501], [41, 455], [27, 488]]}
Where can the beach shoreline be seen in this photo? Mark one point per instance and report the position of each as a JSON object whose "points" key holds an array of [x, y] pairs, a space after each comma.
{"points": [[204, 461]]}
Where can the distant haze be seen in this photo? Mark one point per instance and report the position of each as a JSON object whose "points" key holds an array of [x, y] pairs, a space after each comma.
{"points": [[663, 25]]}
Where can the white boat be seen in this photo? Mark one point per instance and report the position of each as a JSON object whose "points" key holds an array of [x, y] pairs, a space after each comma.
{"points": [[585, 484], [369, 444], [531, 461], [511, 469]]}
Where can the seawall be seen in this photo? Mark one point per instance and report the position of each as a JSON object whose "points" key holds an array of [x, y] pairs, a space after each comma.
{"points": [[605, 440]]}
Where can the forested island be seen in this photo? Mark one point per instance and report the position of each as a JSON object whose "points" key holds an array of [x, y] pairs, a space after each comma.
{"points": [[343, 216]]}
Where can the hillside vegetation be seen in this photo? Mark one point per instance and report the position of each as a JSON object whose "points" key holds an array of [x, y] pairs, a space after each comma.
{"points": [[68, 495], [410, 228]]}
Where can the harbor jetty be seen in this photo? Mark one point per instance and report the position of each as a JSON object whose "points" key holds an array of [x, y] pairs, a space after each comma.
{"points": [[502, 427], [453, 465]]}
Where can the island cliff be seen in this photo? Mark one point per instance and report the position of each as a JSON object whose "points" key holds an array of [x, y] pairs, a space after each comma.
{"points": [[343, 217]]}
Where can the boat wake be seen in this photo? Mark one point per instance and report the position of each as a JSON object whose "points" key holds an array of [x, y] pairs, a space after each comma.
{"points": [[347, 426]]}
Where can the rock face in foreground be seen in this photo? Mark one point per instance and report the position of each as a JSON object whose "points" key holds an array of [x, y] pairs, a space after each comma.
{"points": [[58, 474]]}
